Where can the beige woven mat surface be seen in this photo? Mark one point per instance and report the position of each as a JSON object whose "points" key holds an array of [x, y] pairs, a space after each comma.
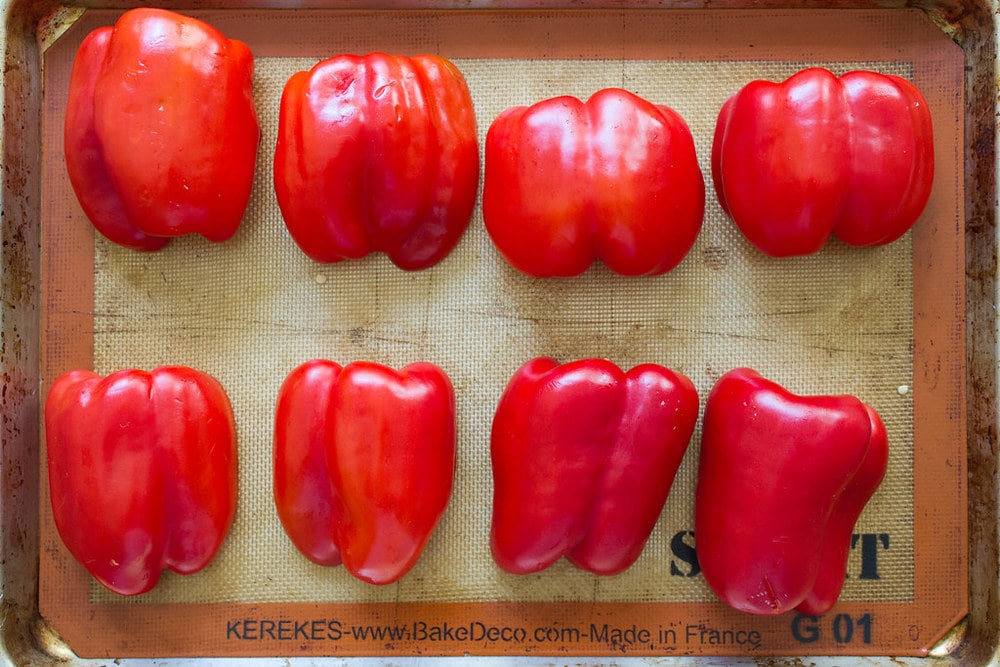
{"points": [[250, 310]]}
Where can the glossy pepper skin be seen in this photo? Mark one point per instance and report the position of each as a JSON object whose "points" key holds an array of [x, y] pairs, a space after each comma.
{"points": [[583, 456], [142, 472], [364, 461], [615, 179], [377, 153], [161, 132], [782, 480], [819, 155]]}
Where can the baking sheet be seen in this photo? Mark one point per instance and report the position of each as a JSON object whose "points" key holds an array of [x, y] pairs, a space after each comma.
{"points": [[885, 324]]}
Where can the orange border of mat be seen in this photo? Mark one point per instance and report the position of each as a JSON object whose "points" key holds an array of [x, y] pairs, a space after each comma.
{"points": [[939, 394]]}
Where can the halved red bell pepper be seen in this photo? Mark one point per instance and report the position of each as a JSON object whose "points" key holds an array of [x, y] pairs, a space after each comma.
{"points": [[782, 480], [377, 153], [615, 178], [364, 460], [142, 472], [584, 455], [815, 155], [161, 132]]}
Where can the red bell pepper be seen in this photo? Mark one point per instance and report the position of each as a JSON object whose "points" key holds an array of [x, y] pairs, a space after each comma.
{"points": [[782, 480], [377, 153], [815, 155], [614, 178], [161, 132], [142, 472], [364, 459], [584, 455]]}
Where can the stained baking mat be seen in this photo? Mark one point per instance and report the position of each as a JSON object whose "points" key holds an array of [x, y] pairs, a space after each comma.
{"points": [[885, 324]]}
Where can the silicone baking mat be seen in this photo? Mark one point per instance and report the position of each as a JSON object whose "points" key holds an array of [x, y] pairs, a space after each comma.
{"points": [[885, 324]]}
